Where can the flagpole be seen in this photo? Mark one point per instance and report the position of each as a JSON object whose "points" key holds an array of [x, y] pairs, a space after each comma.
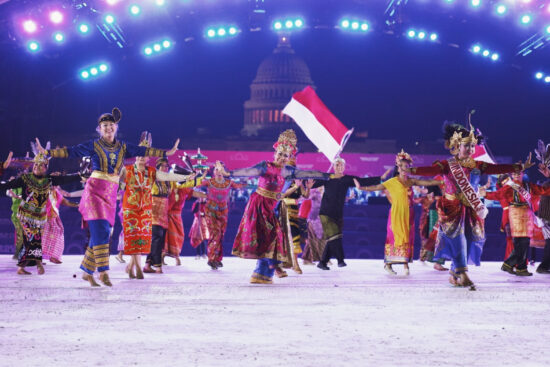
{"points": [[344, 142]]}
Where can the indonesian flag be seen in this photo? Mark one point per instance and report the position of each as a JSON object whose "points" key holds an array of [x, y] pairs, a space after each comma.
{"points": [[481, 155], [319, 124]]}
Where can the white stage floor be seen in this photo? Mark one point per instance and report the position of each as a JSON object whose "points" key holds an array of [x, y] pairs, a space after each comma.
{"points": [[193, 316]]}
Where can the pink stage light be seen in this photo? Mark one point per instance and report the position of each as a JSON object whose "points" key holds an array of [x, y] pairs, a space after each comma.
{"points": [[112, 2], [30, 26], [56, 16]]}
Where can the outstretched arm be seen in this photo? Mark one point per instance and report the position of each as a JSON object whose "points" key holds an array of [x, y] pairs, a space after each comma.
{"points": [[427, 182], [378, 187]]}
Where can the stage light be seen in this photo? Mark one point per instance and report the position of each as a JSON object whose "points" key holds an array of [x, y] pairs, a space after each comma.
{"points": [[84, 74], [30, 26], [365, 27], [345, 23], [486, 53], [56, 17], [233, 31], [475, 3], [221, 32], [539, 75], [147, 51], [476, 49], [421, 35], [58, 37], [433, 37], [166, 44], [83, 28], [135, 10], [355, 25], [277, 25], [94, 71], [526, 19], [289, 24], [109, 19], [501, 9], [547, 79], [160, 2], [112, 2], [548, 29], [411, 33], [495, 57], [156, 47], [211, 33], [103, 67], [298, 23], [33, 46]]}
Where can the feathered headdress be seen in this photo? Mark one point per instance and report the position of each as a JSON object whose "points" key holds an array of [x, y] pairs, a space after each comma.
{"points": [[115, 116], [542, 152], [403, 156], [287, 142], [146, 139], [39, 157]]}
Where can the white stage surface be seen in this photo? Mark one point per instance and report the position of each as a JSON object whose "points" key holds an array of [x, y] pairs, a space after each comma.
{"points": [[194, 316]]}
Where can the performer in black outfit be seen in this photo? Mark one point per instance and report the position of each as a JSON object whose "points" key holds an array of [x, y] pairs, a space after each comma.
{"points": [[332, 210]]}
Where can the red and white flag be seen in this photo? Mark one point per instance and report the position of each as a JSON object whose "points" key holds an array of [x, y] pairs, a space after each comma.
{"points": [[319, 124], [481, 155]]}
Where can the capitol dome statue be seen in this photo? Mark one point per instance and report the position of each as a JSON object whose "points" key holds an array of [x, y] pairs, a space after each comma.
{"points": [[279, 76]]}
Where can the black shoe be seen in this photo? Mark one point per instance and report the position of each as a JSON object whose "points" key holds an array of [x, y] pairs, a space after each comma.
{"points": [[219, 264], [523, 273], [342, 264], [507, 268], [542, 270], [323, 266], [212, 265]]}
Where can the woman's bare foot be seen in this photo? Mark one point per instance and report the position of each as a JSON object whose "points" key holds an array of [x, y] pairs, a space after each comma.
{"points": [[438, 266], [178, 261], [22, 271], [90, 278], [40, 268]]}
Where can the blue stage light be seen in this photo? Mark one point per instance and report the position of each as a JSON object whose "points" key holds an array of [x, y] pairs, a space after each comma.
{"points": [[33, 46], [486, 53], [289, 24], [365, 27], [94, 71], [83, 28], [526, 19], [84, 74], [548, 29], [421, 35], [345, 23], [166, 44], [58, 37], [109, 19], [160, 2], [547, 79], [433, 37], [476, 49], [103, 68], [156, 47], [298, 23], [475, 3], [354, 25], [211, 33], [277, 25], [501, 9], [135, 10], [539, 75], [148, 51], [233, 31], [495, 57], [221, 32], [411, 33]]}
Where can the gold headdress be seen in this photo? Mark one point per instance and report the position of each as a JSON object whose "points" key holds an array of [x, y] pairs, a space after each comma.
{"points": [[41, 158], [458, 138], [287, 142], [146, 139], [403, 156]]}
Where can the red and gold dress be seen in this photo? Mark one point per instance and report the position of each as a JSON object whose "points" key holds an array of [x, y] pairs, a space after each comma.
{"points": [[137, 210], [175, 233]]}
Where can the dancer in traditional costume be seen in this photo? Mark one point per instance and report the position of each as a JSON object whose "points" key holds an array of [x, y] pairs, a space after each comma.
{"points": [[332, 210], [399, 246], [137, 207], [160, 212], [315, 244], [15, 195], [98, 203], [259, 235], [53, 234], [36, 188], [429, 226], [520, 197], [461, 211], [505, 220], [200, 231], [216, 211]]}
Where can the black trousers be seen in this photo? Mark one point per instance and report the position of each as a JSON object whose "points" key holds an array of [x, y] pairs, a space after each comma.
{"points": [[518, 257], [157, 244], [334, 249], [545, 263]]}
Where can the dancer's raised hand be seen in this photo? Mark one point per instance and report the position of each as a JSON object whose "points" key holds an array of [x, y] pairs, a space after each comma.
{"points": [[528, 163], [544, 170], [309, 183], [7, 161], [174, 149], [357, 184]]}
